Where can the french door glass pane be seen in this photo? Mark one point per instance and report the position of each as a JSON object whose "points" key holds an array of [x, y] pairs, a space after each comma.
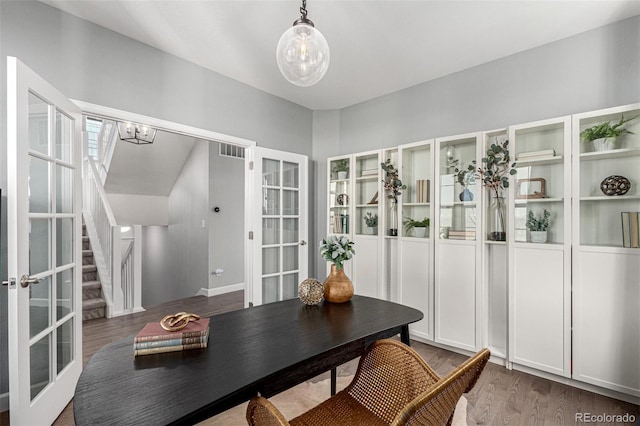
{"points": [[64, 241], [38, 124], [64, 189], [290, 286], [39, 245], [290, 258], [39, 189], [39, 365], [271, 201], [289, 202], [270, 260], [39, 305], [270, 172], [64, 136], [290, 230], [64, 293], [270, 290], [270, 231], [65, 344], [290, 175]]}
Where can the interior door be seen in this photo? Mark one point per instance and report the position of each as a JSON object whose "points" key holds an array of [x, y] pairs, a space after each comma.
{"points": [[279, 225], [44, 250]]}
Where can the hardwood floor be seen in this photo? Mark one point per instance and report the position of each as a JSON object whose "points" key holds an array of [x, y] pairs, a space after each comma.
{"points": [[501, 396]]}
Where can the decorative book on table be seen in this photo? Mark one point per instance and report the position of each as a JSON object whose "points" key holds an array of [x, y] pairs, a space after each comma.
{"points": [[153, 339]]}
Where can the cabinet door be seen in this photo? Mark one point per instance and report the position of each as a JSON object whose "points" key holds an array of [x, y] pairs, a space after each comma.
{"points": [[606, 260], [457, 248], [416, 245], [367, 264], [495, 260], [539, 270]]}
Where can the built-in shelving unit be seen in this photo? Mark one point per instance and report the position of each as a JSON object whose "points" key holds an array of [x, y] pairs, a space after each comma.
{"points": [[606, 287], [541, 307]]}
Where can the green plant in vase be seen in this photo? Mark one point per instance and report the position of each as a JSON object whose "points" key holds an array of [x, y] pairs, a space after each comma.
{"points": [[394, 186], [341, 168], [371, 221], [494, 174], [537, 226], [419, 227], [604, 135], [338, 288]]}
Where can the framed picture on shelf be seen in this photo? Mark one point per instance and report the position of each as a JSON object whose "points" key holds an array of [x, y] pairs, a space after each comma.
{"points": [[530, 188]]}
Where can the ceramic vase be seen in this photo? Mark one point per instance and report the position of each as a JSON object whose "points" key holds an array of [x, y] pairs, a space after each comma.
{"points": [[538, 236], [338, 288], [604, 144], [419, 231]]}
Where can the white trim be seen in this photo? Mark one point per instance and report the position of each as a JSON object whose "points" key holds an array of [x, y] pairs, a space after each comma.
{"points": [[170, 126], [220, 290]]}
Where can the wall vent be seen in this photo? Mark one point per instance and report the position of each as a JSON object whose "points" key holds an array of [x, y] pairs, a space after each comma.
{"points": [[230, 150]]}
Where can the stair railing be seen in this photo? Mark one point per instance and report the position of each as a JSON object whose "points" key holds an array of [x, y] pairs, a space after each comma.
{"points": [[107, 242]]}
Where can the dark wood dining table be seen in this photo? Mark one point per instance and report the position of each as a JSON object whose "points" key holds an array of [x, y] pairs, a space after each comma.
{"points": [[265, 349]]}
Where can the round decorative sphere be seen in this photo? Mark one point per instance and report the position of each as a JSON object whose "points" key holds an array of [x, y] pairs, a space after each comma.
{"points": [[311, 291], [615, 185], [303, 55]]}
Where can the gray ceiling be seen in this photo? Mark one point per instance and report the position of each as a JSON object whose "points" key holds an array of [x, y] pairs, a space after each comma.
{"points": [[377, 47]]}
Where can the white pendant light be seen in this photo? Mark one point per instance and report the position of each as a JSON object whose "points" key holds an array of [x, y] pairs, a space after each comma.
{"points": [[303, 53]]}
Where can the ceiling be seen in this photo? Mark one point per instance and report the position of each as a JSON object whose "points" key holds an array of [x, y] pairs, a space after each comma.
{"points": [[377, 47], [148, 169]]}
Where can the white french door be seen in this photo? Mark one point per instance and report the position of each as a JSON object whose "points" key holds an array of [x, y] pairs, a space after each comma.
{"points": [[278, 225], [44, 131]]}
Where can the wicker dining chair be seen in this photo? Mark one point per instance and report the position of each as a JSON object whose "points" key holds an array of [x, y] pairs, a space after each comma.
{"points": [[392, 386]]}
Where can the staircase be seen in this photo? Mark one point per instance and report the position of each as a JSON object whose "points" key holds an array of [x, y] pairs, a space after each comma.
{"points": [[93, 304]]}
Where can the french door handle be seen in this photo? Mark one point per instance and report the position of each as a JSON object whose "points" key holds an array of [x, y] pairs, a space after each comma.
{"points": [[25, 280], [303, 243]]}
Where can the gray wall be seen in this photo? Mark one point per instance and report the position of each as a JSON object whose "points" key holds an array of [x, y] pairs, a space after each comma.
{"points": [[593, 70], [86, 62], [226, 228], [188, 230]]}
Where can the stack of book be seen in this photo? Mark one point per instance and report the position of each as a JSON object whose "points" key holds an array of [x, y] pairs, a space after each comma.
{"points": [[422, 191], [462, 235], [536, 155], [631, 229], [340, 223], [153, 339], [369, 172]]}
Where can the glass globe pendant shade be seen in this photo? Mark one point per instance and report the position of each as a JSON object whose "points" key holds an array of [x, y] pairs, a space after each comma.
{"points": [[303, 55]]}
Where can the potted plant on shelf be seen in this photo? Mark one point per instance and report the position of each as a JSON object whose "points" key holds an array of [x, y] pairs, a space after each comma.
{"points": [[604, 135], [338, 288], [372, 223], [494, 174], [341, 168], [465, 178], [393, 185], [537, 226], [420, 227]]}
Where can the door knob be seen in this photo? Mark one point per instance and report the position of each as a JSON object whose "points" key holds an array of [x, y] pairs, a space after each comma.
{"points": [[25, 280], [303, 243]]}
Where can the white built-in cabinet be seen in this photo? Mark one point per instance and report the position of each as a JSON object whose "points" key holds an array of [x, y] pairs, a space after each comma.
{"points": [[606, 275], [495, 278], [540, 273], [569, 306], [457, 301], [415, 256]]}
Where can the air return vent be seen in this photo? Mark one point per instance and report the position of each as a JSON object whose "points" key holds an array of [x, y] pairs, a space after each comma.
{"points": [[230, 150]]}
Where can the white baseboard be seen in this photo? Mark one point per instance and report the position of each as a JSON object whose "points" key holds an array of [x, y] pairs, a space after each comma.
{"points": [[220, 290], [4, 402]]}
